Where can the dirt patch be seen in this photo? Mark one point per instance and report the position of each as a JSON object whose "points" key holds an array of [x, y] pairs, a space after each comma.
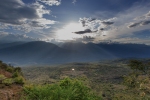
{"points": [[12, 92], [5, 73]]}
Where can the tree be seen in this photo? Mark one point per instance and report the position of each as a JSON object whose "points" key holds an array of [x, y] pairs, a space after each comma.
{"points": [[137, 65]]}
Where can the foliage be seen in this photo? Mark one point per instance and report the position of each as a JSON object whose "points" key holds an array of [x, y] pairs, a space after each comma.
{"points": [[2, 77], [19, 80], [15, 74], [8, 81], [137, 65], [131, 80], [67, 89], [9, 69], [17, 69]]}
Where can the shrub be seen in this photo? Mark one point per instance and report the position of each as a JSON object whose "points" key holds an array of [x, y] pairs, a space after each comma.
{"points": [[8, 81], [19, 80], [17, 69], [15, 74], [9, 69], [137, 65], [2, 77]]}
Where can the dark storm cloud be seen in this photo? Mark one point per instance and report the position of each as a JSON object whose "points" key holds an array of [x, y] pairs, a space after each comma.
{"points": [[35, 24], [145, 22], [84, 32], [141, 20], [85, 39], [86, 21], [102, 29], [134, 25], [92, 19], [88, 38], [142, 23], [107, 23], [15, 11]]}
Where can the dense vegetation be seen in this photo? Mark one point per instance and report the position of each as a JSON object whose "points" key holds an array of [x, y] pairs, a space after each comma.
{"points": [[67, 89]]}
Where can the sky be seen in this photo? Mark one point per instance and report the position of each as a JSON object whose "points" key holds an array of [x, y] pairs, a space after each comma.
{"points": [[124, 21]]}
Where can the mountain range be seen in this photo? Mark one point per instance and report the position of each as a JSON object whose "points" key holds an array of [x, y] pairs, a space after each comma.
{"points": [[40, 52]]}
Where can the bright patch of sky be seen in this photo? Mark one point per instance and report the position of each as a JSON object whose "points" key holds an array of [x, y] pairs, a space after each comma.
{"points": [[76, 20]]}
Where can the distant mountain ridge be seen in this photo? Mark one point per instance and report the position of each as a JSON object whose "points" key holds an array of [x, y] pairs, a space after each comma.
{"points": [[39, 52]]}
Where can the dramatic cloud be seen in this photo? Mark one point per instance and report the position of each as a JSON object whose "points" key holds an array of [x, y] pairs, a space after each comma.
{"points": [[96, 24], [24, 17], [51, 2], [123, 25], [84, 32], [141, 20], [15, 12]]}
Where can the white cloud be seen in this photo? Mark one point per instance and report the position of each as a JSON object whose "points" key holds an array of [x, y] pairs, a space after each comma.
{"points": [[50, 2]]}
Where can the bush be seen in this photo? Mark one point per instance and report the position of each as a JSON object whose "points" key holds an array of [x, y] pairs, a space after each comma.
{"points": [[8, 81], [15, 74], [9, 69], [67, 89], [17, 69], [2, 77], [137, 65], [19, 80]]}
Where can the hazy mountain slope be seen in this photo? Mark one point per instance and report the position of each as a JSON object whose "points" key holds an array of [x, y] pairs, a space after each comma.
{"points": [[108, 51], [89, 51], [39, 52], [31, 52], [127, 50], [5, 45]]}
